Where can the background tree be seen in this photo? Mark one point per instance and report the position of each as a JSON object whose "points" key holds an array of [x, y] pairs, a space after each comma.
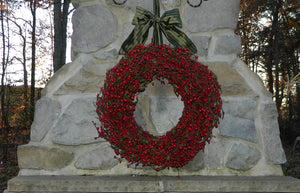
{"points": [[33, 8], [22, 34], [270, 40], [20, 37], [3, 92], [61, 12]]}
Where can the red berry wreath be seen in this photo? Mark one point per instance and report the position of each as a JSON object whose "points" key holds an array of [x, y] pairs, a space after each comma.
{"points": [[194, 82]]}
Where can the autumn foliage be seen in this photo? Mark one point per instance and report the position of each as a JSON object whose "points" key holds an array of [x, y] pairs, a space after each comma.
{"points": [[270, 34]]}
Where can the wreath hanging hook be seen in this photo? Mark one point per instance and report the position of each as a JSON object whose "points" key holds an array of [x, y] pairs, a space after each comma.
{"points": [[188, 1], [197, 5], [122, 3]]}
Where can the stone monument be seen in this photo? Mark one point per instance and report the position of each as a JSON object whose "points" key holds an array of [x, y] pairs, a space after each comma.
{"points": [[63, 155]]}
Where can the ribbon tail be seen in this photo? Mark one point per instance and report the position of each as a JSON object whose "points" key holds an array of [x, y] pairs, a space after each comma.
{"points": [[178, 38], [139, 35], [157, 35]]}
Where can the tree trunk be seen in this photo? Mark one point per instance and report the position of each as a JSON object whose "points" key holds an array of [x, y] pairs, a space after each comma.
{"points": [[25, 73], [25, 79], [33, 7], [60, 33], [57, 36], [296, 72], [274, 60], [270, 76], [3, 92], [276, 52]]}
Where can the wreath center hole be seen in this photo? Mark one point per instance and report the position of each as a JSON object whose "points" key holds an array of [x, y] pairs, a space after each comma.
{"points": [[158, 109]]}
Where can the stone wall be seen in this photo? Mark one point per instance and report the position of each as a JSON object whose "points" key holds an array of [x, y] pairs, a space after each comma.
{"points": [[62, 134]]}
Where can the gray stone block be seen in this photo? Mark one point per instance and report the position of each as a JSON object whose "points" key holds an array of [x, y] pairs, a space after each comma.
{"points": [[55, 184], [99, 158], [42, 158], [132, 4], [232, 83], [140, 114], [202, 44], [94, 27], [273, 150], [228, 44], [158, 114], [107, 54], [165, 112], [211, 15], [238, 121], [160, 89], [241, 107], [197, 163], [88, 79], [237, 127], [215, 153], [74, 126], [242, 157], [46, 112], [170, 4]]}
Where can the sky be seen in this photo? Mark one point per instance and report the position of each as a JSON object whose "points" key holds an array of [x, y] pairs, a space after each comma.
{"points": [[44, 67]]}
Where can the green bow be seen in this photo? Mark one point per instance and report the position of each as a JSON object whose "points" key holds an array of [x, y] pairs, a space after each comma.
{"points": [[168, 23]]}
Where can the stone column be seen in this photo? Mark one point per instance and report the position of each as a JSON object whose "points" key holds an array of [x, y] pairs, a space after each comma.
{"points": [[62, 136]]}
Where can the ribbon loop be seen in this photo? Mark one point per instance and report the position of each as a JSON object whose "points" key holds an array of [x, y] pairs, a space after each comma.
{"points": [[167, 24], [172, 17], [142, 16]]}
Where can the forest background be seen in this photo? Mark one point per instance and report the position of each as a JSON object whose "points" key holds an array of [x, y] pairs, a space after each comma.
{"points": [[33, 42]]}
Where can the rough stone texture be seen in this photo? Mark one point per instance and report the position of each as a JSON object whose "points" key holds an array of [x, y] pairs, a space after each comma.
{"points": [[107, 54], [158, 114], [160, 89], [239, 128], [252, 79], [232, 84], [211, 15], [158, 109], [215, 153], [100, 184], [242, 107], [142, 115], [139, 113], [100, 158], [202, 44], [64, 74], [197, 163], [238, 121], [46, 112], [170, 4], [165, 112], [242, 157], [231, 184], [94, 27], [42, 158], [74, 126], [228, 44], [273, 150], [88, 79], [132, 4]]}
